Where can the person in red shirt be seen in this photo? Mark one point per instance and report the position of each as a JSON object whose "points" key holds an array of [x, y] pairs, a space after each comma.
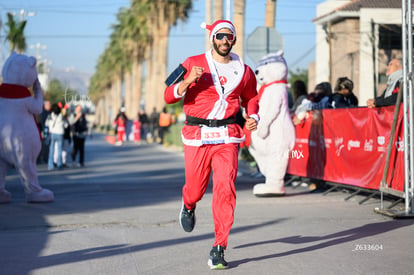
{"points": [[213, 87], [120, 124]]}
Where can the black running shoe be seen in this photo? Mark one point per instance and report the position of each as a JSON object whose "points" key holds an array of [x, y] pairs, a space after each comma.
{"points": [[187, 218], [216, 260]]}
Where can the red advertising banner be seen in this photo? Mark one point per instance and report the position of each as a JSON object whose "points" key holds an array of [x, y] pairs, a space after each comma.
{"points": [[349, 146]]}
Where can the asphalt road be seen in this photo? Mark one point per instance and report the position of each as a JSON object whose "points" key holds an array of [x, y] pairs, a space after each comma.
{"points": [[119, 215]]}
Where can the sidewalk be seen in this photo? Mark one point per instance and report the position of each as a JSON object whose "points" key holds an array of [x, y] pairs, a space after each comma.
{"points": [[119, 215]]}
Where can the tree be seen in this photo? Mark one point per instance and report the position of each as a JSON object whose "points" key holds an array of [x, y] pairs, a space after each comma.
{"points": [[208, 21], [15, 34], [270, 14], [58, 93], [218, 10], [298, 74], [239, 11], [139, 37], [163, 15]]}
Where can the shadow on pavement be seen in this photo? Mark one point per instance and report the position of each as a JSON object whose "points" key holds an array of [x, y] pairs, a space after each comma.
{"points": [[341, 237]]}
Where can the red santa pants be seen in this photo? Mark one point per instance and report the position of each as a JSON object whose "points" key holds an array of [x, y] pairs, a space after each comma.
{"points": [[222, 160], [120, 133]]}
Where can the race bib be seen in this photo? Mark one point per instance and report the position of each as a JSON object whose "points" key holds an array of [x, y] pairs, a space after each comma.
{"points": [[214, 135]]}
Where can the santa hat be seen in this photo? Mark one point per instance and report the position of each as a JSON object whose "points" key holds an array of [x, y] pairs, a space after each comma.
{"points": [[218, 25]]}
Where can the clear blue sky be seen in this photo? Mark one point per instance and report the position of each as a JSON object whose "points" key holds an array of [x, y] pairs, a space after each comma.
{"points": [[73, 34]]}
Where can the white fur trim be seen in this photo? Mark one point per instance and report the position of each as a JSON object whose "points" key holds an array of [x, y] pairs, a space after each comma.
{"points": [[221, 26], [255, 117], [221, 104], [176, 95]]}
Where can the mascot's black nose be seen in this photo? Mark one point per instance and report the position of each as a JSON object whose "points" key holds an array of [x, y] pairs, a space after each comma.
{"points": [[256, 72]]}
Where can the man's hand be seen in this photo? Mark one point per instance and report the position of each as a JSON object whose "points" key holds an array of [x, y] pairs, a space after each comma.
{"points": [[370, 103], [296, 120], [194, 75], [251, 124]]}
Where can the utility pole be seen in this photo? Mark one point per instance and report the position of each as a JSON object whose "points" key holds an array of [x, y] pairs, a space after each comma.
{"points": [[228, 10], [38, 47]]}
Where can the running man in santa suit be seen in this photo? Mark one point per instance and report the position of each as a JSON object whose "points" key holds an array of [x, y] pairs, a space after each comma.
{"points": [[214, 86]]}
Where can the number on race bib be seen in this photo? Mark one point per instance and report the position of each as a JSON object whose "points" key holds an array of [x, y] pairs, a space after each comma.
{"points": [[214, 135]]}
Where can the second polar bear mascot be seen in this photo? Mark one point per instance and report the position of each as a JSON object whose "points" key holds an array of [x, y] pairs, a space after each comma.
{"points": [[275, 135]]}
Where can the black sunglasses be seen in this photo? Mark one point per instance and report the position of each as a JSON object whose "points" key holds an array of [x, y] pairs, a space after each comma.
{"points": [[220, 36]]}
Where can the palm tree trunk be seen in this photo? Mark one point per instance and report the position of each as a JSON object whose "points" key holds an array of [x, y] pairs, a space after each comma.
{"points": [[218, 10], [109, 106], [136, 87], [148, 79], [128, 92], [98, 112], [162, 59], [270, 17], [158, 59], [239, 11], [208, 21]]}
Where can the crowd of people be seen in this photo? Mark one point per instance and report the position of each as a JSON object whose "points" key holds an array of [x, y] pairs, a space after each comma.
{"points": [[63, 135], [144, 129], [343, 95]]}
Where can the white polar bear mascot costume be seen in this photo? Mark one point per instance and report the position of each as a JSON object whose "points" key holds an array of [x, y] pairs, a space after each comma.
{"points": [[275, 135], [20, 142]]}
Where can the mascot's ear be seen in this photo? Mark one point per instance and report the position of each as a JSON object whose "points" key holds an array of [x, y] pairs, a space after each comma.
{"points": [[280, 52], [32, 61]]}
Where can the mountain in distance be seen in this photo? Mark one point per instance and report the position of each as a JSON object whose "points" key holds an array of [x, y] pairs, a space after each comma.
{"points": [[73, 79]]}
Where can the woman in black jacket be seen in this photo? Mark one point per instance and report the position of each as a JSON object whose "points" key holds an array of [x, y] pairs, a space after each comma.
{"points": [[343, 96]]}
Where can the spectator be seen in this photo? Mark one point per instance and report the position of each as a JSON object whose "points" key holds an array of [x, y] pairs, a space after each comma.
{"points": [[79, 132], [343, 96], [56, 125], [67, 139], [137, 130], [320, 96], [389, 96], [299, 93], [164, 124], [318, 99], [154, 119], [120, 123], [44, 152], [45, 113], [145, 124]]}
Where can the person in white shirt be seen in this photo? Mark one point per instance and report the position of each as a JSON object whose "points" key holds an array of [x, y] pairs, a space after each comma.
{"points": [[56, 125]]}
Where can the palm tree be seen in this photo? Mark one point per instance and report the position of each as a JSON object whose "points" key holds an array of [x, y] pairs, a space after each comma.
{"points": [[164, 14], [140, 38], [15, 35], [270, 17], [239, 11], [208, 21], [218, 10]]}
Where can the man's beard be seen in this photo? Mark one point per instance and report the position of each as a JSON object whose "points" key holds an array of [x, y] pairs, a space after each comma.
{"points": [[221, 52]]}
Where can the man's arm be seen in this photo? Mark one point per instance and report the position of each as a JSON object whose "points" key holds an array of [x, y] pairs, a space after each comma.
{"points": [[386, 101], [249, 100]]}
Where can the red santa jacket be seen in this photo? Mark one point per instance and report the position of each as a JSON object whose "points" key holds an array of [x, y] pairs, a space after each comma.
{"points": [[206, 99]]}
